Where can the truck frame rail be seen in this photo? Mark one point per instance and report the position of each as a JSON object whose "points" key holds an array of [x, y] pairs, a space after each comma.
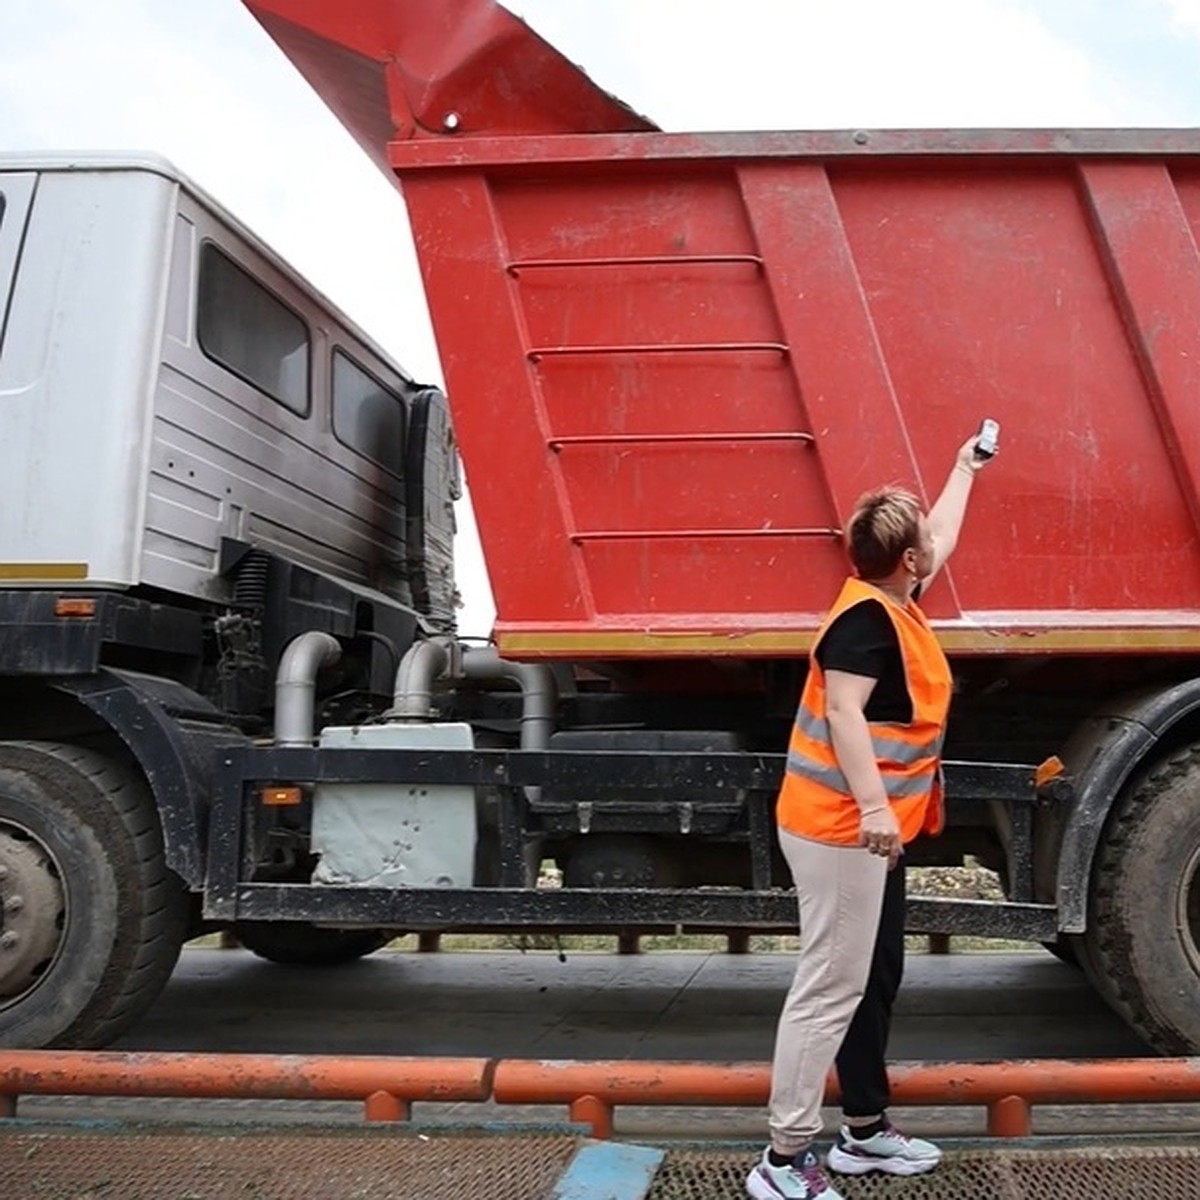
{"points": [[749, 781]]}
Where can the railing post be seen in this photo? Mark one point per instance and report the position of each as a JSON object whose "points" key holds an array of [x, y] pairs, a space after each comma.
{"points": [[1009, 1117], [591, 1110], [385, 1106]]}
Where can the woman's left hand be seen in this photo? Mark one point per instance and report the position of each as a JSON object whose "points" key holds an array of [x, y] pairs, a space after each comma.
{"points": [[879, 831]]}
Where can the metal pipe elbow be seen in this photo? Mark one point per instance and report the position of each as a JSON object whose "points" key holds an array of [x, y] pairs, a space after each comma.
{"points": [[296, 685], [412, 698], [539, 693]]}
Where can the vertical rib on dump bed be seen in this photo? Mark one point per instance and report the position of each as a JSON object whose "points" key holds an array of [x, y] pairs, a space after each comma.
{"points": [[675, 360]]}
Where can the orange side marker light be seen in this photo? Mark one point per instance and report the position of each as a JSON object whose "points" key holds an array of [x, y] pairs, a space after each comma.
{"points": [[280, 797], [1052, 768], [75, 606]]}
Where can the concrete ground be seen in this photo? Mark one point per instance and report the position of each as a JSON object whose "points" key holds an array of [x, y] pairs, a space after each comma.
{"points": [[662, 1004]]}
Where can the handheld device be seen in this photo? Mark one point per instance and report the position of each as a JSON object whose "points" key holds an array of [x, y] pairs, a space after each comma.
{"points": [[988, 441]]}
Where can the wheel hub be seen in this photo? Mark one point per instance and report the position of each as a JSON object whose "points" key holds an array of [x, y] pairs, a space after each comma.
{"points": [[1187, 909], [32, 911]]}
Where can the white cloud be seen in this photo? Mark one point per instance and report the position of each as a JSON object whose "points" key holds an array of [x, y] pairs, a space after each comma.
{"points": [[1185, 15]]}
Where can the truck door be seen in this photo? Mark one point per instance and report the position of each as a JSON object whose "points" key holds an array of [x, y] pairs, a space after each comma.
{"points": [[16, 196]]}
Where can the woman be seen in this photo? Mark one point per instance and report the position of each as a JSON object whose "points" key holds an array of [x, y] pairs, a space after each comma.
{"points": [[862, 779]]}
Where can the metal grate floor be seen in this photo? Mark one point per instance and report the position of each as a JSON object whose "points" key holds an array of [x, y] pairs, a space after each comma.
{"points": [[38, 1163], [263, 1165], [1091, 1173]]}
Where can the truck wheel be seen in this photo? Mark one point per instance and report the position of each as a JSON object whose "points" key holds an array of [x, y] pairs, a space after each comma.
{"points": [[1143, 937], [91, 919], [299, 944]]}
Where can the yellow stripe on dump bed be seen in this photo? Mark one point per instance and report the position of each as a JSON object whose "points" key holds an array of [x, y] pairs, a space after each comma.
{"points": [[33, 572], [1175, 639]]}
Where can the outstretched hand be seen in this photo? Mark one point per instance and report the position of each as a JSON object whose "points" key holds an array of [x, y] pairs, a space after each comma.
{"points": [[967, 460]]}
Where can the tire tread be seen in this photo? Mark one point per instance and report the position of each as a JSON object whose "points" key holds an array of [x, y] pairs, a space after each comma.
{"points": [[155, 931], [1109, 938]]}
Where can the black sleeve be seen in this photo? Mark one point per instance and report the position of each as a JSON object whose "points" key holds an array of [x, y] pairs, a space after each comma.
{"points": [[861, 641]]}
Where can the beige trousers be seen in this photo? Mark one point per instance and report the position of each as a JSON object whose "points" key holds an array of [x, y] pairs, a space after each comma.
{"points": [[840, 890]]}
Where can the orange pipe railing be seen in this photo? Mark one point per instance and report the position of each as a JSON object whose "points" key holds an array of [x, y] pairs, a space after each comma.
{"points": [[1007, 1089], [387, 1086], [592, 1090]]}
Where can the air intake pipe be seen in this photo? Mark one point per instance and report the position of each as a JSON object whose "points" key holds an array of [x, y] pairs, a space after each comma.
{"points": [[441, 657], [296, 685], [423, 662]]}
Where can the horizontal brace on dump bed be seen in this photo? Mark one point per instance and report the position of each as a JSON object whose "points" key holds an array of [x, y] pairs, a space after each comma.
{"points": [[633, 535], [635, 260], [658, 439], [743, 149], [536, 353]]}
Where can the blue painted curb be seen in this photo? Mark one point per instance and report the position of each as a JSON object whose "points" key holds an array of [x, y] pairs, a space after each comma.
{"points": [[609, 1171]]}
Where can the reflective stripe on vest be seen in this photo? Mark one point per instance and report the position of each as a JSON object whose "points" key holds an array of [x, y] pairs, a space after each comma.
{"points": [[888, 749], [897, 786], [815, 799]]}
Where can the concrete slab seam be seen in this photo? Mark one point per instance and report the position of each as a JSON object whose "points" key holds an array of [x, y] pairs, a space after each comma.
{"points": [[609, 1171]]}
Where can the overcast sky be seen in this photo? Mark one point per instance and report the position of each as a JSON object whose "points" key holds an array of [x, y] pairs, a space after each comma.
{"points": [[200, 82]]}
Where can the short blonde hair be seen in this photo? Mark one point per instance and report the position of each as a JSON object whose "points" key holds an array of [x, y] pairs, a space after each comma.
{"points": [[884, 524]]}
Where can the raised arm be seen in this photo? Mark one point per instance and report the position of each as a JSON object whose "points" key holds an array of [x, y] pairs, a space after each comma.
{"points": [[946, 515]]}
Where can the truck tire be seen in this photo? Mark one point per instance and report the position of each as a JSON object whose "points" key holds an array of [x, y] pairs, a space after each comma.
{"points": [[1143, 936], [91, 919], [299, 944]]}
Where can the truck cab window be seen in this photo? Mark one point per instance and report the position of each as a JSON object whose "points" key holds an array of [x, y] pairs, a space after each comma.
{"points": [[245, 328], [367, 416]]}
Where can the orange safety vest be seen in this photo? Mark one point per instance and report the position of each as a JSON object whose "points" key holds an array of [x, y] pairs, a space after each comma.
{"points": [[815, 801]]}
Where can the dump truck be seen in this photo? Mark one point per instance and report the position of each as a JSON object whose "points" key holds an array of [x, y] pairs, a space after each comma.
{"points": [[232, 694]]}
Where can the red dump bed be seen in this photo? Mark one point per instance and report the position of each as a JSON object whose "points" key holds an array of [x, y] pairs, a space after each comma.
{"points": [[675, 360]]}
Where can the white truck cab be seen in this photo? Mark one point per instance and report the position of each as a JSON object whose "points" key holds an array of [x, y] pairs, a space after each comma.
{"points": [[167, 382]]}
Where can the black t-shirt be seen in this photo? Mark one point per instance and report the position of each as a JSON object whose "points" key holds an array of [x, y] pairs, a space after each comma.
{"points": [[863, 641]]}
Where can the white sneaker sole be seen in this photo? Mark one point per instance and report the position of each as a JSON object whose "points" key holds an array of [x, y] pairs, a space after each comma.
{"points": [[760, 1189], [850, 1164]]}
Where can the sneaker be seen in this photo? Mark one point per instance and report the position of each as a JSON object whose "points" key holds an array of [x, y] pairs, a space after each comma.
{"points": [[803, 1180], [889, 1150]]}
